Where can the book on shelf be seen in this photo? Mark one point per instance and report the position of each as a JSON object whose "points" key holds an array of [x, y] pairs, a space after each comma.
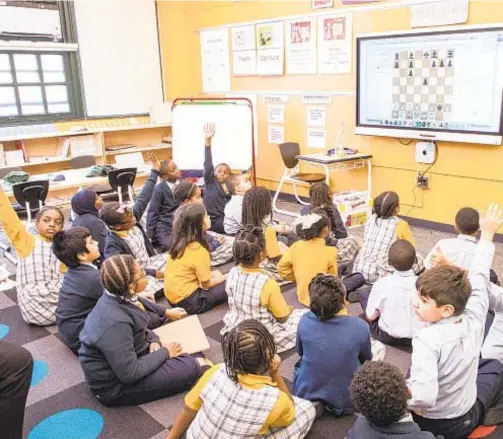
{"points": [[63, 147]]}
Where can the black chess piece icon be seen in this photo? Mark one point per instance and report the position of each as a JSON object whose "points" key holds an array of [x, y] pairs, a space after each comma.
{"points": [[397, 56], [434, 64], [426, 55], [434, 54], [396, 65], [450, 53], [449, 64], [425, 82], [439, 107], [441, 63], [411, 65], [411, 55], [410, 72]]}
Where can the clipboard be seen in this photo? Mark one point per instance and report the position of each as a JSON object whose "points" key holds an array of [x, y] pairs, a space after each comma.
{"points": [[188, 332]]}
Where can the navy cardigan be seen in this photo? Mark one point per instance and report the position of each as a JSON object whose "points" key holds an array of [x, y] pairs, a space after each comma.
{"points": [[160, 214], [214, 196], [115, 346], [114, 244], [363, 429]]}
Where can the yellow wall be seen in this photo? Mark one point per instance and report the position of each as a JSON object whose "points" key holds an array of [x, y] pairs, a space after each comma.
{"points": [[464, 174]]}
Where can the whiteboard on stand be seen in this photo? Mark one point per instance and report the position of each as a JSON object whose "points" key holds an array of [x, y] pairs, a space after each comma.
{"points": [[233, 140]]}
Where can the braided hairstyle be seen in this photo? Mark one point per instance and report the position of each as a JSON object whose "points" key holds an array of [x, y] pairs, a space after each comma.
{"points": [[315, 230], [248, 245], [320, 198], [249, 348], [117, 275], [327, 293], [257, 205], [386, 204], [184, 191], [187, 228]]}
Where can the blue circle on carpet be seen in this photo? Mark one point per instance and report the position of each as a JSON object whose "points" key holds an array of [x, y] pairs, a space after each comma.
{"points": [[69, 424], [4, 330], [40, 369]]}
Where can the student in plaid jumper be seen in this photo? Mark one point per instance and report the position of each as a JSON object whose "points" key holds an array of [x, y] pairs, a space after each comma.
{"points": [[310, 256], [219, 246], [253, 295], [127, 236], [383, 229], [39, 273], [246, 397], [347, 246], [189, 282]]}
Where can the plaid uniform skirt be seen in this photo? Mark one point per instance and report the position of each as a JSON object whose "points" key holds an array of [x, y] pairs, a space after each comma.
{"points": [[305, 414], [348, 248]]}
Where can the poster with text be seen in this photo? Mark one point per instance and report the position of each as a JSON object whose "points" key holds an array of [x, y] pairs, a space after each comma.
{"points": [[316, 116], [244, 54], [316, 138], [270, 48], [334, 44], [215, 60], [276, 134], [276, 113], [243, 38], [301, 47], [318, 4]]}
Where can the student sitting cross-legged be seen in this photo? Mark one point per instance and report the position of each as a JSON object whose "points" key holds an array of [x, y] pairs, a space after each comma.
{"points": [[390, 305], [219, 246], [82, 287], [238, 185], [379, 394], [253, 295], [331, 344], [189, 282], [124, 362], [246, 397], [39, 273], [452, 390]]}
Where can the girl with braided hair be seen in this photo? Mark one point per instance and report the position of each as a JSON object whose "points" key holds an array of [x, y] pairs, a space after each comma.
{"points": [[382, 229], [253, 295], [123, 361], [245, 397], [321, 198]]}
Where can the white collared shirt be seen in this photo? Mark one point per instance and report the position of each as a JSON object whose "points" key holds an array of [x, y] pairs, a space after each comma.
{"points": [[90, 265], [459, 251], [393, 298], [445, 355]]}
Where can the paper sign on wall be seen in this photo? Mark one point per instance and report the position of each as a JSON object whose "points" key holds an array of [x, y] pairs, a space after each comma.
{"points": [[275, 99], [316, 116], [276, 134], [316, 99], [334, 44], [301, 47], [316, 138], [270, 48], [215, 60], [244, 55], [276, 113], [318, 4], [439, 13]]}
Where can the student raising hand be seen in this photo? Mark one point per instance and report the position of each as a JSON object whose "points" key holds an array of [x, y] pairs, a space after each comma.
{"points": [[491, 222], [153, 161], [209, 132]]}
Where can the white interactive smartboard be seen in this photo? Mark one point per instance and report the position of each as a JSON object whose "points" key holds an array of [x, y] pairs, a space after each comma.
{"points": [[439, 85], [233, 140]]}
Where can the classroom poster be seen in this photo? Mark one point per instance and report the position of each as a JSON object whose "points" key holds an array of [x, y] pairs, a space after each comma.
{"points": [[276, 113], [215, 60], [316, 116], [319, 4], [301, 47], [275, 134], [244, 54], [316, 138], [270, 48], [334, 44], [439, 13]]}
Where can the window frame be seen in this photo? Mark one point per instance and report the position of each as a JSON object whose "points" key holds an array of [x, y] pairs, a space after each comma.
{"points": [[68, 49]]}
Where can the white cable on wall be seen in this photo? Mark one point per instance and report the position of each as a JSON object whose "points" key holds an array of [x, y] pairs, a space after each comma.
{"points": [[119, 54]]}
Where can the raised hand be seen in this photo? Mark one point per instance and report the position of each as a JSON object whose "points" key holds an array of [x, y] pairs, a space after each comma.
{"points": [[491, 221], [209, 132]]}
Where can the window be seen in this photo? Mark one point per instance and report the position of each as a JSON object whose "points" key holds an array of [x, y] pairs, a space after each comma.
{"points": [[39, 80]]}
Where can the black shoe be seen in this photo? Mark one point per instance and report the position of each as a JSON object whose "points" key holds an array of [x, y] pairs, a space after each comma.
{"points": [[354, 296]]}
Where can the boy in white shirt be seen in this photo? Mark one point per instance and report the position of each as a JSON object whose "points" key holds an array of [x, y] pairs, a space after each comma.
{"points": [[452, 390], [237, 185], [390, 306]]}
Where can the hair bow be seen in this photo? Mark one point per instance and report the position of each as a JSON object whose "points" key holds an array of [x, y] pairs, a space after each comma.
{"points": [[306, 221]]}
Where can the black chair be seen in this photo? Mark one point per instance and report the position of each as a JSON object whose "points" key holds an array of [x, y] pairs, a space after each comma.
{"points": [[82, 161], [289, 152], [122, 180], [31, 195]]}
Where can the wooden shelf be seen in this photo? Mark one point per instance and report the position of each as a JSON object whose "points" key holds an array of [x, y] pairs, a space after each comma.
{"points": [[81, 132], [139, 149]]}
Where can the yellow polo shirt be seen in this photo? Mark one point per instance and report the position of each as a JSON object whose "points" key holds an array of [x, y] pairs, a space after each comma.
{"points": [[403, 232], [271, 296], [186, 274], [303, 261], [282, 415], [271, 243]]}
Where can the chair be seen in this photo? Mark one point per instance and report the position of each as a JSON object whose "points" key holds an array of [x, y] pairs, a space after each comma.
{"points": [[289, 152], [122, 180], [82, 161], [31, 195]]}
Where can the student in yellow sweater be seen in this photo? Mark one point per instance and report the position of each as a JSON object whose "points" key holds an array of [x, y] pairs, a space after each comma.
{"points": [[311, 256], [39, 273], [189, 282], [382, 229]]}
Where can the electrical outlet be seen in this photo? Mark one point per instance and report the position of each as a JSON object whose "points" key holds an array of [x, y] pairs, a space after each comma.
{"points": [[422, 181]]}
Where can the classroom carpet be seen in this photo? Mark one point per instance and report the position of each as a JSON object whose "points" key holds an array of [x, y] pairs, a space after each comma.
{"points": [[60, 406]]}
